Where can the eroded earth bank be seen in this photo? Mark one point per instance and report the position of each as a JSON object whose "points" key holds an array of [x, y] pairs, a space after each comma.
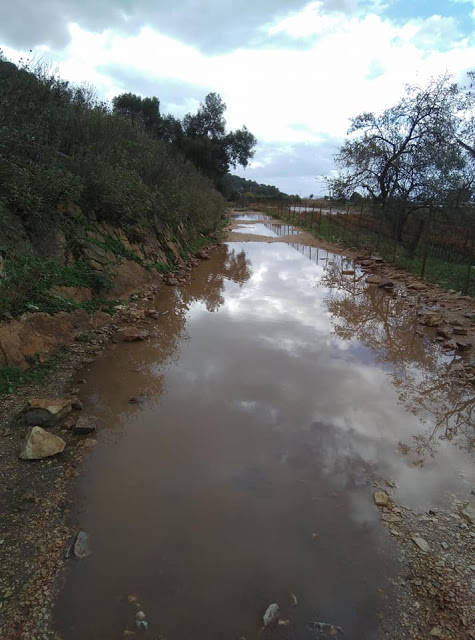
{"points": [[284, 451]]}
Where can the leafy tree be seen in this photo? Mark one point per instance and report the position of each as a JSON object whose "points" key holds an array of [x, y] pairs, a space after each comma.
{"points": [[409, 157], [144, 110], [207, 144]]}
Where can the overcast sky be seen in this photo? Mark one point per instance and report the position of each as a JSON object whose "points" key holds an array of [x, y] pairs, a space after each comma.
{"points": [[293, 72]]}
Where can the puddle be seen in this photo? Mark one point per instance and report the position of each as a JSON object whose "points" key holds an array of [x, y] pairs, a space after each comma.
{"points": [[278, 390], [246, 217], [257, 229]]}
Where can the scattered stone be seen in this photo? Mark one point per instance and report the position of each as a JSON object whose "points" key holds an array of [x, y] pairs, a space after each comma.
{"points": [[469, 513], [381, 499], [152, 313], [444, 546], [136, 314], [82, 548], [74, 391], [348, 272], [436, 632], [40, 444], [324, 627], [141, 397], [76, 404], [418, 286], [271, 615], [386, 284], [421, 543], [433, 320], [460, 331], [202, 255], [85, 425], [373, 279], [443, 332], [463, 345], [140, 621], [171, 282], [132, 334], [391, 517], [46, 411]]}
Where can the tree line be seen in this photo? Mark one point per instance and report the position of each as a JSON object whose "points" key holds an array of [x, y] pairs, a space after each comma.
{"points": [[121, 163], [201, 138]]}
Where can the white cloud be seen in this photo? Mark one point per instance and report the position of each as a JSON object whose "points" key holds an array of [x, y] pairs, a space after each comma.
{"points": [[319, 67]]}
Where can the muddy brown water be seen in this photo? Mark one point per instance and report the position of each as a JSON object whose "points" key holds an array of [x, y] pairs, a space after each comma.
{"points": [[278, 390]]}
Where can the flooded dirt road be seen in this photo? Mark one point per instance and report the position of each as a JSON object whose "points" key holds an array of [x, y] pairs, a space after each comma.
{"points": [[278, 390]]}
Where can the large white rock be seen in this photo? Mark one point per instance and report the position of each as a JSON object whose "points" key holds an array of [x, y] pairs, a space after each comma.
{"points": [[41, 444]]}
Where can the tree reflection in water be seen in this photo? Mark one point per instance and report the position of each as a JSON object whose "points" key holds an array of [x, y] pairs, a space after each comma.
{"points": [[387, 324]]}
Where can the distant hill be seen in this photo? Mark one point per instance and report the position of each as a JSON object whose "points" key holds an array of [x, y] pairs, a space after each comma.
{"points": [[234, 187]]}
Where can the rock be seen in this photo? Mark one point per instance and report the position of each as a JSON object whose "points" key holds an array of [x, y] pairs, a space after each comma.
{"points": [[463, 345], [131, 334], [136, 314], [373, 279], [436, 632], [443, 332], [381, 499], [141, 397], [433, 320], [348, 272], [142, 625], [271, 615], [152, 313], [40, 444], [469, 513], [377, 259], [82, 548], [74, 391], [418, 286], [386, 283], [46, 411], [202, 255], [76, 404], [460, 331], [444, 546], [140, 621], [171, 282], [85, 425], [421, 543], [391, 517]]}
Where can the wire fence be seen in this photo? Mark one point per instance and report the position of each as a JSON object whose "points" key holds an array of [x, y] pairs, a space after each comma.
{"points": [[425, 243]]}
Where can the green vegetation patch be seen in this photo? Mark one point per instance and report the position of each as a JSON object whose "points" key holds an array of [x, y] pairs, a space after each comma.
{"points": [[12, 377], [28, 281]]}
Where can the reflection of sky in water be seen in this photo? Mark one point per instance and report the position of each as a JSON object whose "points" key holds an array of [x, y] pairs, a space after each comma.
{"points": [[277, 391], [250, 216], [272, 348], [257, 229]]}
